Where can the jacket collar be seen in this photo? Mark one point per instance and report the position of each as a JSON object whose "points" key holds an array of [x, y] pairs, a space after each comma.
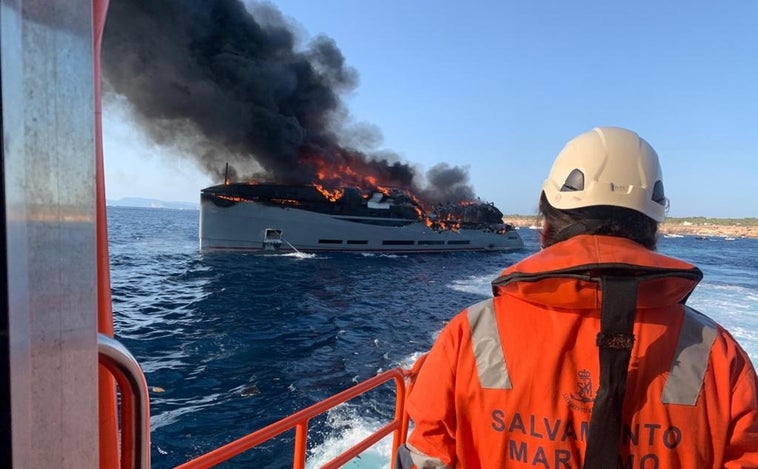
{"points": [[568, 273]]}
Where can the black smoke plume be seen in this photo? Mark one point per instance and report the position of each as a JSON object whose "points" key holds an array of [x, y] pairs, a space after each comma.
{"points": [[231, 84]]}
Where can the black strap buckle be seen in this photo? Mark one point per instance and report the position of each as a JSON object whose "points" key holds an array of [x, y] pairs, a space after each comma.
{"points": [[615, 341]]}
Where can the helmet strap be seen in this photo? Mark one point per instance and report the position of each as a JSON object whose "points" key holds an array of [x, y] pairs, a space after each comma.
{"points": [[587, 226]]}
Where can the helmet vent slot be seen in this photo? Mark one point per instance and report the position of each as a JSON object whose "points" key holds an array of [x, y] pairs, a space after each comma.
{"points": [[574, 182], [658, 195]]}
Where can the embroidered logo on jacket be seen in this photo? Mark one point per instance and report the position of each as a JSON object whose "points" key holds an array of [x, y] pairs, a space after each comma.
{"points": [[584, 393]]}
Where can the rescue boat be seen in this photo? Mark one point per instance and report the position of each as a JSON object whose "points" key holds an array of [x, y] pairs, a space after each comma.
{"points": [[72, 395]]}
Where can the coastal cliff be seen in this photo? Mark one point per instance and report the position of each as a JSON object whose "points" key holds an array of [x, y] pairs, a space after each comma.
{"points": [[695, 226]]}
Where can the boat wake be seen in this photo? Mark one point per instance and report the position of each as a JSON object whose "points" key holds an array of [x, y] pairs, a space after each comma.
{"points": [[347, 426], [353, 429]]}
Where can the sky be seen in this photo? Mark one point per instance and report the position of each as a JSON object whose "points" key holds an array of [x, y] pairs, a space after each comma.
{"points": [[498, 87]]}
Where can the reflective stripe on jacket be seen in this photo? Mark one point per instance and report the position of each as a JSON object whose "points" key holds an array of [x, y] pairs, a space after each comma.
{"points": [[510, 382]]}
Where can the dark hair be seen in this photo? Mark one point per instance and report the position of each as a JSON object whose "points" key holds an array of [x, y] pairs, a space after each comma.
{"points": [[559, 225]]}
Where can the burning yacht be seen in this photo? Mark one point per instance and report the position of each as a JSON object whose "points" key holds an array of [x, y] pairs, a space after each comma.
{"points": [[274, 217]]}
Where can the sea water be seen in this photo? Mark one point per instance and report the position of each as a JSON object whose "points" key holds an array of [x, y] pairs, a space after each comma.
{"points": [[230, 342]]}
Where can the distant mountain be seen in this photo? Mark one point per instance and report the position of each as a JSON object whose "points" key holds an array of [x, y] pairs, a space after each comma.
{"points": [[151, 203]]}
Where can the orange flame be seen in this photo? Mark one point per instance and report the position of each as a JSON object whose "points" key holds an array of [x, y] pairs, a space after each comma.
{"points": [[331, 196], [348, 171]]}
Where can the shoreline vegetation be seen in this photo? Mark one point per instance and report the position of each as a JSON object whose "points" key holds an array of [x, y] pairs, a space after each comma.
{"points": [[692, 226]]}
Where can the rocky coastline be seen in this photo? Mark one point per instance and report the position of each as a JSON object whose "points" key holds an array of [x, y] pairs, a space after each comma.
{"points": [[677, 227]]}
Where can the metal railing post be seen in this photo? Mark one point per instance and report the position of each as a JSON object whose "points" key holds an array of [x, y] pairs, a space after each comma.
{"points": [[135, 402]]}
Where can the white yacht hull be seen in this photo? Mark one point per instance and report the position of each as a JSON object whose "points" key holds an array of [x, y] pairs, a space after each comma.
{"points": [[255, 226]]}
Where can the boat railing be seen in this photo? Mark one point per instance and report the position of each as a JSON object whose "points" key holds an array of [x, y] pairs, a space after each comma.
{"points": [[298, 421], [135, 402]]}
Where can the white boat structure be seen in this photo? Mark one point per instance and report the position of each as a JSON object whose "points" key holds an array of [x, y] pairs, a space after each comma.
{"points": [[311, 218]]}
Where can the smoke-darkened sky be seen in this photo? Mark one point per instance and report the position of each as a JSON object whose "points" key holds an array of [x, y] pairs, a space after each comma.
{"points": [[229, 83], [498, 88]]}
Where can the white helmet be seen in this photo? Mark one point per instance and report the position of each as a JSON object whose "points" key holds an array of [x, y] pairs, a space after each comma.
{"points": [[607, 166]]}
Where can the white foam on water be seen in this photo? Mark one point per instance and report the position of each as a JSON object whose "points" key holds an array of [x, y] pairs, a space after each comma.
{"points": [[183, 406], [476, 284], [349, 430], [300, 255], [408, 362], [384, 255], [735, 308]]}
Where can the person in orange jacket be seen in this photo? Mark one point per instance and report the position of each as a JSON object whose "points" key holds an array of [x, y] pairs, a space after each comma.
{"points": [[588, 356]]}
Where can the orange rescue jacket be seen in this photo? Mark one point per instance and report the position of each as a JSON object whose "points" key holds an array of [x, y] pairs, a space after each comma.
{"points": [[511, 381]]}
